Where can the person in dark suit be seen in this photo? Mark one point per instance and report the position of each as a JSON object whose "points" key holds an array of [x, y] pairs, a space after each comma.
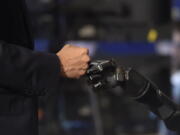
{"points": [[26, 74]]}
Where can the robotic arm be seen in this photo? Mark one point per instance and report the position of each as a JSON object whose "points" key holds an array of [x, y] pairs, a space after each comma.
{"points": [[105, 74]]}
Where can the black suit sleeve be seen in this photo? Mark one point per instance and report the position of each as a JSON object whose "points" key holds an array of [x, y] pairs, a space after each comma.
{"points": [[26, 71]]}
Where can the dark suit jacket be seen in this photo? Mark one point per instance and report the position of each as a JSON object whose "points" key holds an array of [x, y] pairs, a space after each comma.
{"points": [[24, 74]]}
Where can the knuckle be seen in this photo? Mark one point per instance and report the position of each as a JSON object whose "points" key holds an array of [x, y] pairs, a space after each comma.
{"points": [[82, 73], [85, 50], [86, 66], [87, 59]]}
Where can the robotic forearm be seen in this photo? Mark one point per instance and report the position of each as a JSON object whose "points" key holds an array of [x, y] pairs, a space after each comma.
{"points": [[105, 74]]}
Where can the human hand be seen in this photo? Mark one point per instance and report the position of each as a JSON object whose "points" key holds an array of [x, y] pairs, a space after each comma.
{"points": [[74, 61]]}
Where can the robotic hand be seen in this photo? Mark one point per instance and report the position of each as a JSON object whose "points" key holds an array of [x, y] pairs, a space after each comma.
{"points": [[104, 74]]}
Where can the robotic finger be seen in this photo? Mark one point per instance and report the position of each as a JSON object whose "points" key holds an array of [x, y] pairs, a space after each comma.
{"points": [[105, 74], [100, 73], [101, 66]]}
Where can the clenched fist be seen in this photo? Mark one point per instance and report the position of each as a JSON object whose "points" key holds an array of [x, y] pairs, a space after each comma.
{"points": [[74, 61]]}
